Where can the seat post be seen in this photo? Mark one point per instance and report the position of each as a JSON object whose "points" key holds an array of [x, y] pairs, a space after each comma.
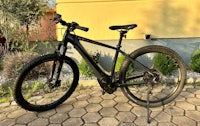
{"points": [[122, 34]]}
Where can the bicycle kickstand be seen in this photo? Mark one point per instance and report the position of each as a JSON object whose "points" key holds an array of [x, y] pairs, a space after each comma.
{"points": [[148, 103]]}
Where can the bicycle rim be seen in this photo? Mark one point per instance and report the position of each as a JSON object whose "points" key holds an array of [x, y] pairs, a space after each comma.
{"points": [[37, 86], [165, 78]]}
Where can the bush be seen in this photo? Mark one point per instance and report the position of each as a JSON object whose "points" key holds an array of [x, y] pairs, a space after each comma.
{"points": [[195, 61], [13, 63], [85, 70], [119, 62], [164, 64], [2, 52], [5, 93]]}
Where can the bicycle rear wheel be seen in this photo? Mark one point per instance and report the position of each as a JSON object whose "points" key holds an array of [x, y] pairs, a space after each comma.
{"points": [[164, 79], [37, 88]]}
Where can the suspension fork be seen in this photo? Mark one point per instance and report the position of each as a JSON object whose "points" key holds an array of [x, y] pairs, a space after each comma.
{"points": [[61, 54]]}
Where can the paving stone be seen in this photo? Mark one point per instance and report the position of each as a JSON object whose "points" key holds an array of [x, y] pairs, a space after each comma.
{"points": [[161, 108], [198, 108], [95, 99], [126, 117], [132, 103], [92, 117], [64, 108], [58, 118], [83, 97], [3, 116], [139, 111], [121, 99], [175, 111], [7, 122], [47, 114], [108, 103], [39, 122], [172, 103], [108, 96], [70, 100], [80, 104], [96, 88], [26, 118], [195, 115], [55, 125], [194, 101], [161, 116], [75, 94], [96, 93], [142, 121], [126, 124], [79, 112], [108, 121], [197, 92], [180, 98], [166, 124], [123, 107], [73, 122], [10, 108], [185, 105], [187, 94], [91, 124], [118, 92], [85, 90], [108, 111], [16, 113], [3, 105], [191, 90], [93, 107], [189, 87], [183, 121], [13, 103]]}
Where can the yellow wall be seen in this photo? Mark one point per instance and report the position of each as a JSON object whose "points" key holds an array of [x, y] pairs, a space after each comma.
{"points": [[161, 18]]}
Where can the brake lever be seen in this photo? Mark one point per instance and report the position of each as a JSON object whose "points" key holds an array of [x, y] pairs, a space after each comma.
{"points": [[56, 19]]}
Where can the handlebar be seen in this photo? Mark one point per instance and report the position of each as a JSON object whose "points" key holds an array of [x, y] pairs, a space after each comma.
{"points": [[72, 26]]}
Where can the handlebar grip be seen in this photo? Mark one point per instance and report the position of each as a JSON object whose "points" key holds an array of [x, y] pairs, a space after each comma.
{"points": [[83, 28], [64, 23]]}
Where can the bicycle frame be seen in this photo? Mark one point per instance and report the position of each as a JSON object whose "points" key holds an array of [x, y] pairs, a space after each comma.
{"points": [[98, 70]]}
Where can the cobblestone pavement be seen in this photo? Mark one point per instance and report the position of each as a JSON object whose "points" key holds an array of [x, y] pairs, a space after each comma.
{"points": [[88, 107]]}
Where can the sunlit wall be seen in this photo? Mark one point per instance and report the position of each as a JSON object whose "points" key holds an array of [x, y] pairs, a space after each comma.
{"points": [[160, 18]]}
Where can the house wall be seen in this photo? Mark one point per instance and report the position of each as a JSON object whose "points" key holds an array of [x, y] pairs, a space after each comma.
{"points": [[46, 29], [174, 22], [185, 47], [160, 18]]}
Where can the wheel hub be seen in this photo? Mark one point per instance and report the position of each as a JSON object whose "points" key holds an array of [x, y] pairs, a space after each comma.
{"points": [[152, 76]]}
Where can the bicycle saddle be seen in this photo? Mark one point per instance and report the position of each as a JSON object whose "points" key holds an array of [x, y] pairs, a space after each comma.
{"points": [[123, 27]]}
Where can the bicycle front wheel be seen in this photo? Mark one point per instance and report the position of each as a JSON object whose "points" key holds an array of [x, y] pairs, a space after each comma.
{"points": [[158, 80], [37, 88]]}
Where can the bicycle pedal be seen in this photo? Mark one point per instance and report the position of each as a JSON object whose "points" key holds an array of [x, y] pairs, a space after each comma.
{"points": [[103, 92]]}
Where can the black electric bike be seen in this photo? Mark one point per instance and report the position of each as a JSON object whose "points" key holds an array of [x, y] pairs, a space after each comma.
{"points": [[47, 81]]}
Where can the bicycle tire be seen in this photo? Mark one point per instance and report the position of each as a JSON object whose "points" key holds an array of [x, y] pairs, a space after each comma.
{"points": [[134, 93], [27, 76]]}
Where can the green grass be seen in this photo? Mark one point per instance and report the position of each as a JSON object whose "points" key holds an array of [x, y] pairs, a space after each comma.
{"points": [[5, 93]]}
